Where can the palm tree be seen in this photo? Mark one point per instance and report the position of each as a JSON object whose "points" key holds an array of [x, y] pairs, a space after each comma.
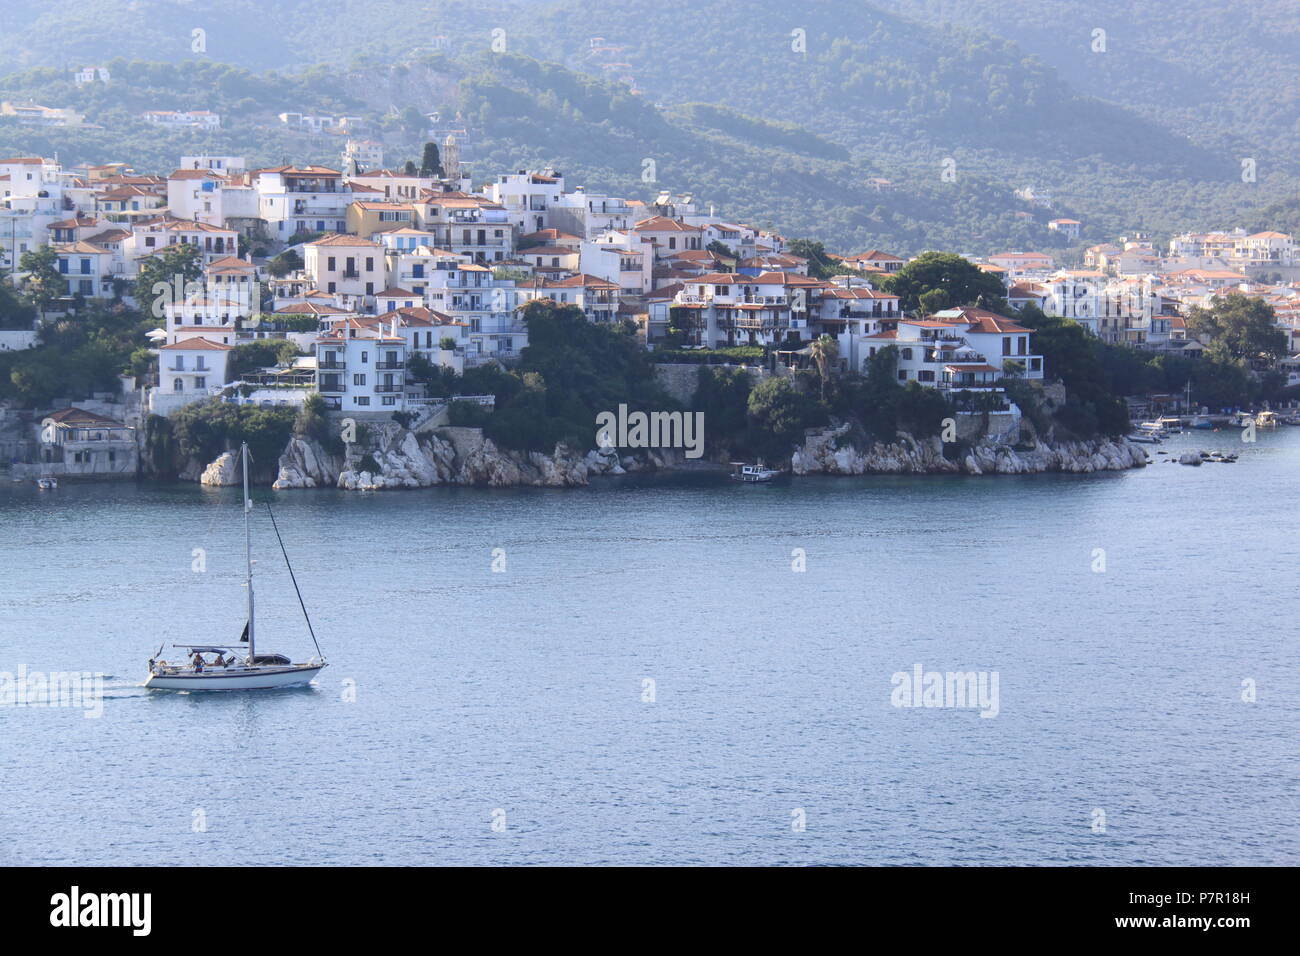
{"points": [[824, 352]]}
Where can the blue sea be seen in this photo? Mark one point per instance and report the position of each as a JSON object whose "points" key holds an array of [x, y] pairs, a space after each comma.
{"points": [[672, 670]]}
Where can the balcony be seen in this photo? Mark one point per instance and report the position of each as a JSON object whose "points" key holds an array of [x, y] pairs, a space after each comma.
{"points": [[394, 364], [331, 387], [332, 366], [390, 389]]}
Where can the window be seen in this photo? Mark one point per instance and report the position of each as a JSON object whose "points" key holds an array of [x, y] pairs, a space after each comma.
{"points": [[390, 399], [200, 382], [329, 263], [85, 267], [361, 400], [907, 353], [359, 378], [1006, 345], [925, 375], [902, 375], [365, 357], [370, 264], [178, 385]]}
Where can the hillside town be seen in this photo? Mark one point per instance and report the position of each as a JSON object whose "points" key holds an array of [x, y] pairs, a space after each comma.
{"points": [[366, 269]]}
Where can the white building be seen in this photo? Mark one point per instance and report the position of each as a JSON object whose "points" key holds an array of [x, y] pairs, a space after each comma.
{"points": [[189, 370], [295, 199], [527, 197], [198, 119], [348, 265], [362, 368]]}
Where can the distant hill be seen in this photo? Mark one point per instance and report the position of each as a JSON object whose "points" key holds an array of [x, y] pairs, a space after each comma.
{"points": [[1224, 73], [843, 120]]}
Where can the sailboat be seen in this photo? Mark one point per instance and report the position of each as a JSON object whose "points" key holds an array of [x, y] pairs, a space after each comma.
{"points": [[229, 670]]}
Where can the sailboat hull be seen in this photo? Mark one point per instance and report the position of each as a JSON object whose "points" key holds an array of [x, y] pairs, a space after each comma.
{"points": [[243, 678]]}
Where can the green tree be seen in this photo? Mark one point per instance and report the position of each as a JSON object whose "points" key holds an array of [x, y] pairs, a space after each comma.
{"points": [[42, 283], [963, 282], [178, 265], [1244, 327], [778, 414], [14, 313], [431, 162], [722, 394], [286, 262], [260, 353], [825, 350]]}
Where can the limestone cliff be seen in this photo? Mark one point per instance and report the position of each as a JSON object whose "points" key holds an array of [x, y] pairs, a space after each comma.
{"points": [[828, 452], [395, 457]]}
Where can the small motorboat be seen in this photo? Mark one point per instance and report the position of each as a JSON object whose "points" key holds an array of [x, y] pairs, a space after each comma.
{"points": [[752, 473], [1153, 430], [1144, 437], [1266, 420], [1202, 423], [47, 483]]}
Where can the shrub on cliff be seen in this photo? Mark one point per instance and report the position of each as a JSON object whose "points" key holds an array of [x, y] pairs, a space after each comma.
{"points": [[779, 411], [204, 430]]}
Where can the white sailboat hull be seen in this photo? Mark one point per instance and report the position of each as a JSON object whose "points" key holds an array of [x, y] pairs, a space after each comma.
{"points": [[235, 678]]}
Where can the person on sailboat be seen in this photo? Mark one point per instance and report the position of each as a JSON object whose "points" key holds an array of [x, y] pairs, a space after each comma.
{"points": [[198, 663]]}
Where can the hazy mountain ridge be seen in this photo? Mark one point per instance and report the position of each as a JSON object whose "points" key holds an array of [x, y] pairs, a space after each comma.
{"points": [[792, 129]]}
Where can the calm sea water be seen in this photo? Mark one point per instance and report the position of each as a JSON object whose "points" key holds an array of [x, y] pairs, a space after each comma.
{"points": [[518, 695]]}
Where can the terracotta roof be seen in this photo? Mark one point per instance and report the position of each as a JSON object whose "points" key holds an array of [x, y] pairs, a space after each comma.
{"points": [[340, 239], [549, 235], [581, 280], [79, 416], [982, 320], [663, 224], [199, 343], [81, 247]]}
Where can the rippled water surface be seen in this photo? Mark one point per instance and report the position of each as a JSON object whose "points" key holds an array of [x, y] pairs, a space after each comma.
{"points": [[523, 691]]}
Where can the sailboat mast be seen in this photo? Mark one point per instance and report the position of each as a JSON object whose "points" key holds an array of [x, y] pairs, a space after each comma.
{"points": [[248, 555]]}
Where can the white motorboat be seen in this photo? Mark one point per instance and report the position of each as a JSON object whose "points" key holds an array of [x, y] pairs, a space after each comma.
{"points": [[246, 671], [47, 483], [752, 473], [1149, 433]]}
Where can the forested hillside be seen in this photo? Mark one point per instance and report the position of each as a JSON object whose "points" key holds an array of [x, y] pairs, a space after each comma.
{"points": [[908, 127]]}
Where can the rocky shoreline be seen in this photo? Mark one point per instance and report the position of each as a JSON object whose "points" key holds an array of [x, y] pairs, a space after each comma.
{"points": [[827, 453], [395, 457]]}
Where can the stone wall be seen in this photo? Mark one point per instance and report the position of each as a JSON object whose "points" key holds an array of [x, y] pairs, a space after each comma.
{"points": [[679, 380]]}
